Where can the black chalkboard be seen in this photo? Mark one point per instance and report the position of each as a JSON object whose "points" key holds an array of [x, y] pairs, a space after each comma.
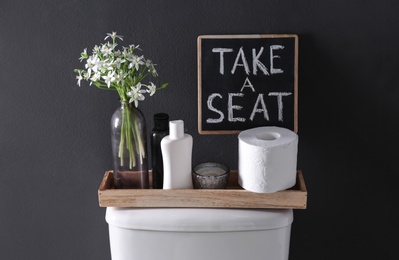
{"points": [[246, 81]]}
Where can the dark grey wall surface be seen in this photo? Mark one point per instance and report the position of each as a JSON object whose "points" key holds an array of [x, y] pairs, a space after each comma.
{"points": [[55, 137]]}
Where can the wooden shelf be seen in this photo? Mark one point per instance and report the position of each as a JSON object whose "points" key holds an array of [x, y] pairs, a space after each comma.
{"points": [[232, 197]]}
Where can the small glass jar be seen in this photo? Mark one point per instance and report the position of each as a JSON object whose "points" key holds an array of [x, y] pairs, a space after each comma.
{"points": [[210, 175]]}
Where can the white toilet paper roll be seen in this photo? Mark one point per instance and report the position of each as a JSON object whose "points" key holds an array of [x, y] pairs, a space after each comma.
{"points": [[267, 158]]}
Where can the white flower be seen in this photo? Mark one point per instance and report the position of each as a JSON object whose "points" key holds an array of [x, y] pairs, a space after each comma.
{"points": [[151, 67], [148, 63], [113, 35], [136, 94], [96, 49], [117, 53], [154, 72], [106, 49], [95, 77], [120, 69], [126, 53], [151, 89], [90, 63], [79, 77], [120, 77], [133, 47], [108, 79], [99, 65], [135, 61], [83, 55], [117, 63]]}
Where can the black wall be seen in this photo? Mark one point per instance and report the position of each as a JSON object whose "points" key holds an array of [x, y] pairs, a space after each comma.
{"points": [[55, 137]]}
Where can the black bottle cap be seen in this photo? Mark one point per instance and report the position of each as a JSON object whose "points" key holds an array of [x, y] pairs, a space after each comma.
{"points": [[161, 121]]}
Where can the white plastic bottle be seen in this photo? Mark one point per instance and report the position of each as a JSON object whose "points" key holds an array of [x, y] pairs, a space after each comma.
{"points": [[177, 150]]}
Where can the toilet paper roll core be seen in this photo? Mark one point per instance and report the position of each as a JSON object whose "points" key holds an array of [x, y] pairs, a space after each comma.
{"points": [[268, 136], [267, 159]]}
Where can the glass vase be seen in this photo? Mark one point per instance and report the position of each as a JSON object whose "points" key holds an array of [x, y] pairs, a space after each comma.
{"points": [[129, 147]]}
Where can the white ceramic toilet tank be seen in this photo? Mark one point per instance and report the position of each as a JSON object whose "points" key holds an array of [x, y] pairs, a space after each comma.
{"points": [[199, 234]]}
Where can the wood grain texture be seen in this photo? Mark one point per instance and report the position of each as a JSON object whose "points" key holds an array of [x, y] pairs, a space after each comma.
{"points": [[232, 197]]}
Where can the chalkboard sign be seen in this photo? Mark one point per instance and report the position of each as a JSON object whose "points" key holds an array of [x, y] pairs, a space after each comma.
{"points": [[247, 81]]}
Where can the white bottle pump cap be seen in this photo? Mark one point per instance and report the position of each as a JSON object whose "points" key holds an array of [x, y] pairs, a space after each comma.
{"points": [[176, 129]]}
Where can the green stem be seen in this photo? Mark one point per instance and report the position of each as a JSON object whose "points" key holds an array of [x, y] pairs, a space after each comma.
{"points": [[131, 138], [122, 141], [132, 160]]}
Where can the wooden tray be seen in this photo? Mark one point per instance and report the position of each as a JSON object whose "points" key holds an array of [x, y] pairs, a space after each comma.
{"points": [[232, 197]]}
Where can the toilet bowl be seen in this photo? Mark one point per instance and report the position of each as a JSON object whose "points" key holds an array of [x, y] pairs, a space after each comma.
{"points": [[199, 233]]}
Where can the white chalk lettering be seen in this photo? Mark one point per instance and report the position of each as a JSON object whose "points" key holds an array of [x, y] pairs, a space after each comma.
{"points": [[280, 96], [260, 110], [212, 108], [221, 62], [231, 107], [256, 63], [272, 56], [241, 60], [247, 84], [244, 63], [259, 107]]}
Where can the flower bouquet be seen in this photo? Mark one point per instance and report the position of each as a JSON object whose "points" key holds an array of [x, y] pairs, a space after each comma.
{"points": [[124, 71]]}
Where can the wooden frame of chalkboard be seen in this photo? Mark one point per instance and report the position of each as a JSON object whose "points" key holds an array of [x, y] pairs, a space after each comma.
{"points": [[247, 81]]}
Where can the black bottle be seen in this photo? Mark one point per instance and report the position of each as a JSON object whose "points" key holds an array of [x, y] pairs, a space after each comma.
{"points": [[161, 129]]}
